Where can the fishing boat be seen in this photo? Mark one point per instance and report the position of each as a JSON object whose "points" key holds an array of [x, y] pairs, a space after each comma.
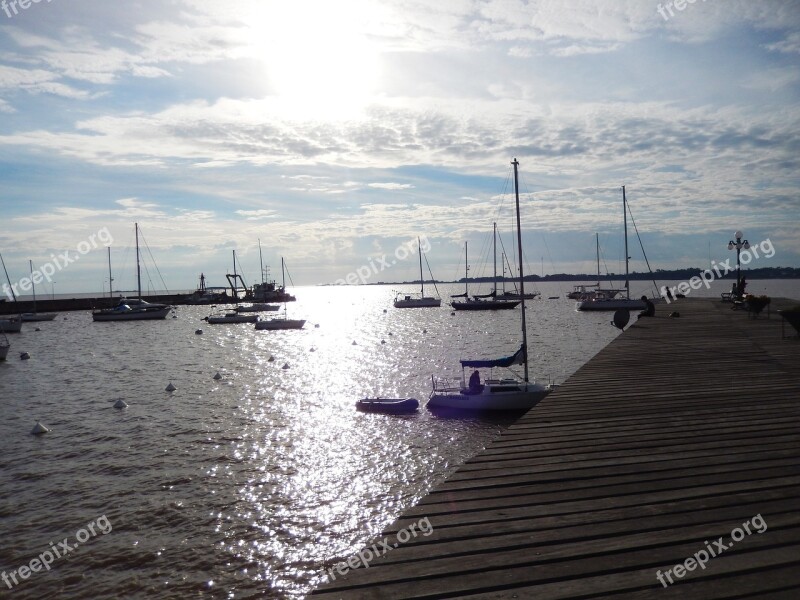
{"points": [[284, 322], [507, 394], [488, 301], [5, 346], [388, 405], [418, 300], [36, 316], [135, 309], [603, 300]]}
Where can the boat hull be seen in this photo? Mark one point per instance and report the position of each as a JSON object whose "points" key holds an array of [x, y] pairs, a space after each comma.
{"points": [[149, 314], [502, 396], [417, 302], [611, 304], [11, 325], [388, 405], [278, 324], [223, 319], [29, 317], [485, 304], [258, 308], [4, 352]]}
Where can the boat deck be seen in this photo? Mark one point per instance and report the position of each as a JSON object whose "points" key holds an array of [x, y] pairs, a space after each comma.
{"points": [[673, 436]]}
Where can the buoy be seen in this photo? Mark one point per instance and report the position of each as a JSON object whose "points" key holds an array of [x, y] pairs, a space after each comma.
{"points": [[120, 404], [452, 313], [383, 341], [24, 355], [317, 325], [217, 376], [285, 366], [37, 329], [271, 359], [354, 343], [424, 331], [170, 387], [384, 310], [313, 350], [198, 332], [39, 429], [390, 333]]}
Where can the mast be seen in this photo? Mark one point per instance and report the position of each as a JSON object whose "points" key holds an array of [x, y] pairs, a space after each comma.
{"points": [[138, 267], [625, 224], [235, 281], [597, 247], [30, 263], [494, 256], [110, 279], [521, 275], [466, 271], [261, 261], [421, 278], [10, 287], [503, 265]]}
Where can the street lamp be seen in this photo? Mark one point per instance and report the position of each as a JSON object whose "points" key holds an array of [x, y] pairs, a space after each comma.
{"points": [[738, 244]]}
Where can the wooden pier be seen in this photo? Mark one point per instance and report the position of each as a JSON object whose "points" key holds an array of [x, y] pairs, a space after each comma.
{"points": [[666, 443]]}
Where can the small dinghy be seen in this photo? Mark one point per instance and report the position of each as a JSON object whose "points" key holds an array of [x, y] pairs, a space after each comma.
{"points": [[388, 405]]}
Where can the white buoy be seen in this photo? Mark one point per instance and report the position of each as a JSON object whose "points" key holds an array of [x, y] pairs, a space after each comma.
{"points": [[39, 429], [24, 355], [354, 343], [285, 366], [424, 331], [384, 310], [383, 341], [217, 376], [120, 404], [313, 350], [198, 332], [390, 333], [317, 325], [170, 387], [271, 359]]}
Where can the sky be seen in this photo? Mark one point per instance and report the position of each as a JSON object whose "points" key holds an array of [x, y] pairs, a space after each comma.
{"points": [[337, 133]]}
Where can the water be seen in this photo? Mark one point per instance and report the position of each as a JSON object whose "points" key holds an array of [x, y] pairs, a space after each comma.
{"points": [[253, 485]]}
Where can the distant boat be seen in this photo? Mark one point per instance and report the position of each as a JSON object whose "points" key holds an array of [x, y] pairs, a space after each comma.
{"points": [[233, 316], [5, 346], [509, 294], [257, 307], [284, 322], [204, 295], [607, 301], [495, 394], [36, 316], [589, 291], [417, 300], [388, 405], [133, 309], [10, 324], [486, 301]]}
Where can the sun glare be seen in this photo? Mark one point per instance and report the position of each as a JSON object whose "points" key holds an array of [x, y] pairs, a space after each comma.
{"points": [[319, 61]]}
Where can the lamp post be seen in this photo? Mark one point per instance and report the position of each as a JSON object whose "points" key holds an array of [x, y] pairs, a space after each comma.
{"points": [[738, 244]]}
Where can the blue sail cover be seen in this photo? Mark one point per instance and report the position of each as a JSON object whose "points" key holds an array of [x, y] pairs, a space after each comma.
{"points": [[517, 359]]}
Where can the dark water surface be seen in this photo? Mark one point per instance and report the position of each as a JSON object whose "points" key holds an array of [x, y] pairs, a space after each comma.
{"points": [[252, 485]]}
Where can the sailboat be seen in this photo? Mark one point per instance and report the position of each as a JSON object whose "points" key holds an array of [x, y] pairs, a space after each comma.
{"points": [[515, 294], [587, 291], [487, 301], [232, 316], [495, 394], [36, 316], [284, 322], [604, 300], [10, 324], [134, 309], [420, 301]]}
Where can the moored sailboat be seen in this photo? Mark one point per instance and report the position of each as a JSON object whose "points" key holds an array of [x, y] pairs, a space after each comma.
{"points": [[135, 309], [36, 316], [284, 322], [489, 301], [495, 394], [417, 300]]}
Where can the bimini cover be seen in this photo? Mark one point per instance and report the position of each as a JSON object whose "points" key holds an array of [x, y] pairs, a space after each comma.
{"points": [[517, 359]]}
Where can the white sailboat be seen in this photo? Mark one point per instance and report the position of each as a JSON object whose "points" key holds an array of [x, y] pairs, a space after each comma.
{"points": [[10, 324], [284, 322], [606, 301], [36, 316], [132, 309], [417, 300], [495, 394], [591, 290]]}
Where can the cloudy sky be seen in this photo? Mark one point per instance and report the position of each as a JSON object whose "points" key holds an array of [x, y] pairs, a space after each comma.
{"points": [[336, 131]]}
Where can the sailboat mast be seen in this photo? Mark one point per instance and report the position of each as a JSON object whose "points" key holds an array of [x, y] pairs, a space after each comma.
{"points": [[421, 278], [521, 275], [625, 225], [261, 261], [110, 279], [494, 255], [597, 249], [466, 270], [30, 263], [10, 287], [235, 280], [138, 267]]}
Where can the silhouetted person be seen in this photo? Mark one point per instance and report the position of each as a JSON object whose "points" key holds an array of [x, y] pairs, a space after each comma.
{"points": [[475, 381], [650, 309]]}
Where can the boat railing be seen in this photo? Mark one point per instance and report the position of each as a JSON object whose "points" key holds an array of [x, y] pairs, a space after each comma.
{"points": [[446, 384]]}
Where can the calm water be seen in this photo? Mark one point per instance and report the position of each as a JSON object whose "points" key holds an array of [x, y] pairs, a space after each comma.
{"points": [[252, 485]]}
